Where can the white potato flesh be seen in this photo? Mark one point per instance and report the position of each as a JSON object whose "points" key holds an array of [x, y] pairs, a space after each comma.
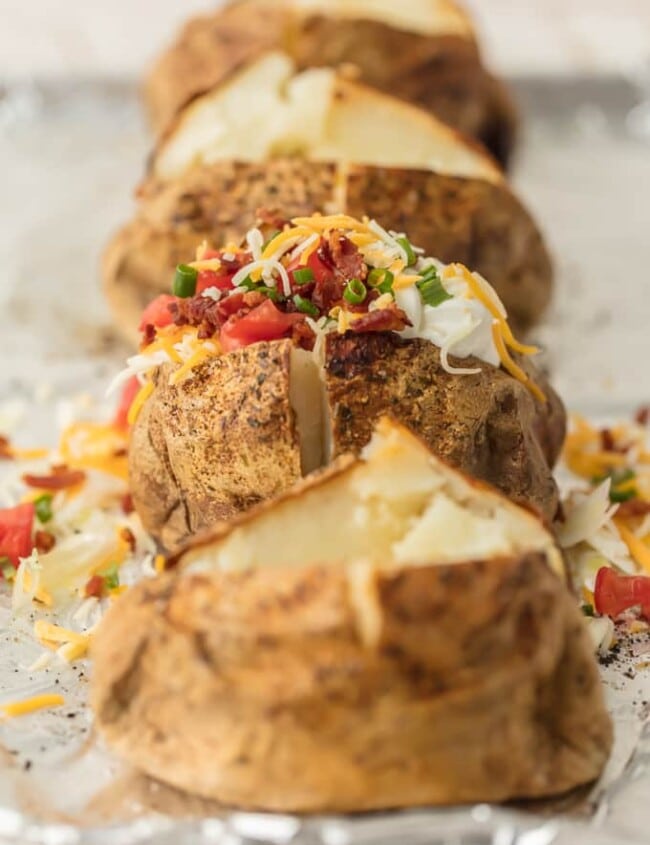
{"points": [[397, 506], [266, 109], [307, 398]]}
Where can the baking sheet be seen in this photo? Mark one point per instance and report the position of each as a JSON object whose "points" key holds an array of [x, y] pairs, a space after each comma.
{"points": [[70, 155]]}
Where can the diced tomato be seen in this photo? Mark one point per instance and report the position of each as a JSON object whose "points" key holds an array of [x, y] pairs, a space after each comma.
{"points": [[157, 313], [94, 587], [210, 253], [266, 322], [59, 479], [129, 392], [211, 279], [616, 593], [16, 525], [322, 272]]}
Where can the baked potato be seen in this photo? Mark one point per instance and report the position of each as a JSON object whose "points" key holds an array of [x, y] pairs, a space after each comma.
{"points": [[265, 392], [425, 53], [387, 634], [317, 142]]}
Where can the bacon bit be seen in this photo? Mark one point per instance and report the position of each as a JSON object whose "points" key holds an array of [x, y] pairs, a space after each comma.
{"points": [[609, 444], [642, 416], [60, 478], [6, 453], [271, 218], [607, 440], [633, 508], [303, 336], [149, 334], [128, 537], [94, 587], [127, 504], [209, 316], [381, 320], [345, 258], [44, 541]]}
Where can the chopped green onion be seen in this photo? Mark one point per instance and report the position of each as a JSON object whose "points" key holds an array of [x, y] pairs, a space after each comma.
{"points": [[43, 507], [303, 276], [431, 289], [381, 279], [587, 610], [185, 281], [111, 577], [273, 293], [411, 257], [270, 238], [305, 305], [618, 477], [355, 292], [247, 284], [619, 496], [7, 568]]}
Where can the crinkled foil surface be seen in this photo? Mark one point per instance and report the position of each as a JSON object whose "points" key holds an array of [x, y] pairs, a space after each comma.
{"points": [[70, 154]]}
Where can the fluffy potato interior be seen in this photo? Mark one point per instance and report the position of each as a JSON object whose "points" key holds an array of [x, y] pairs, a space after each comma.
{"points": [[397, 506], [430, 17], [309, 403], [266, 109]]}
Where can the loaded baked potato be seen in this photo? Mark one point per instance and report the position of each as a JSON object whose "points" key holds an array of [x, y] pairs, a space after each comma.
{"points": [[388, 634], [423, 52], [273, 358], [316, 142]]}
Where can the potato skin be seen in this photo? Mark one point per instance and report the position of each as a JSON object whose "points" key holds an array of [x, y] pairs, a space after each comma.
{"points": [[255, 689], [215, 203], [469, 220], [488, 425], [440, 73], [226, 438], [216, 443], [207, 50]]}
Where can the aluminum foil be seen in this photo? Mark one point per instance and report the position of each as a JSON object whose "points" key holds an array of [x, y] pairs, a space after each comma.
{"points": [[70, 155]]}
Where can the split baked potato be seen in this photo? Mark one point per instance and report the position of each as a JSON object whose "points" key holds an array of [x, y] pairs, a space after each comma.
{"points": [[422, 51], [387, 634], [277, 356], [318, 142], [247, 425]]}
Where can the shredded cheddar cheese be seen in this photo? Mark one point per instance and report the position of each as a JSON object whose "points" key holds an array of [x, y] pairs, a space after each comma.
{"points": [[141, 397], [48, 633], [510, 366], [202, 354], [288, 235], [637, 548], [30, 705], [320, 223], [159, 563], [86, 445]]}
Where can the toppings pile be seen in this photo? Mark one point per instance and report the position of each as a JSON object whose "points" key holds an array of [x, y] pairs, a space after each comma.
{"points": [[314, 275], [607, 528], [70, 542]]}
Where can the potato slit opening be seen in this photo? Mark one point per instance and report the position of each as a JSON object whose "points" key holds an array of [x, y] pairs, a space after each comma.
{"points": [[315, 113], [397, 506]]}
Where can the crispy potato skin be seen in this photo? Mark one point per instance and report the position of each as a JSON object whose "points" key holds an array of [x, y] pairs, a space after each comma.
{"points": [[225, 438], [442, 74], [488, 425], [215, 203], [255, 689], [207, 50], [469, 220], [214, 444]]}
